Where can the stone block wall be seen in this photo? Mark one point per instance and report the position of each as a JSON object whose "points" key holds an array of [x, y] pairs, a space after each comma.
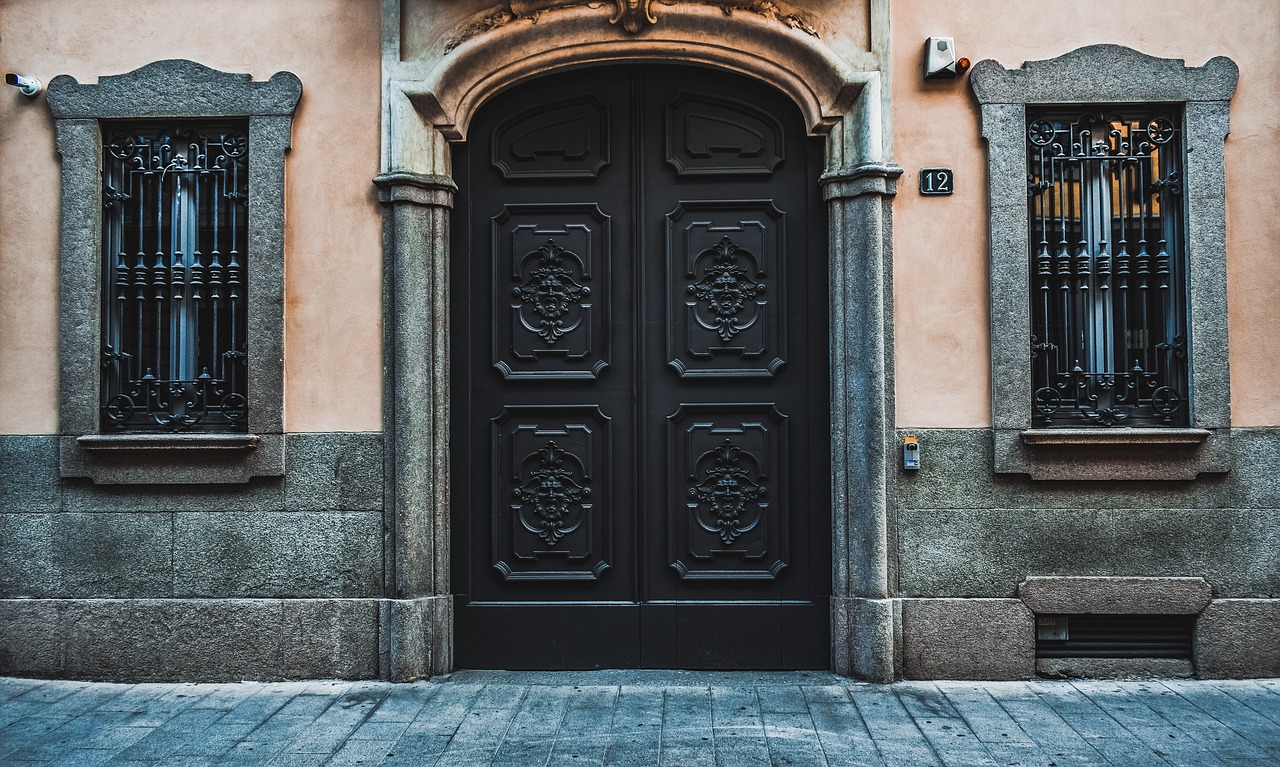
{"points": [[963, 536], [274, 578]]}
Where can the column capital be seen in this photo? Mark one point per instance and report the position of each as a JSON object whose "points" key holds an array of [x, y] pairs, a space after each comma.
{"points": [[868, 178], [416, 188]]}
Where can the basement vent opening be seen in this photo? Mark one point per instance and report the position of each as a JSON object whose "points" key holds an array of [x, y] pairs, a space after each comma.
{"points": [[1114, 636]]}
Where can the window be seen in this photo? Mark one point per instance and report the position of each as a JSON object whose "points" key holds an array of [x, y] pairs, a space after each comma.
{"points": [[174, 247], [171, 294], [1109, 342], [1108, 308]]}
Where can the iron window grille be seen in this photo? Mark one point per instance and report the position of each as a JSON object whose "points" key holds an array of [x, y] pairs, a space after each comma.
{"points": [[1108, 292], [175, 249]]}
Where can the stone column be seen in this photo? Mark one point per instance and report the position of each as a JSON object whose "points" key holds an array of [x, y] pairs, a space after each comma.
{"points": [[862, 619], [417, 616]]}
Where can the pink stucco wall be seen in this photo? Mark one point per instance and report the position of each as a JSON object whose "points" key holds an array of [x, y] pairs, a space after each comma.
{"points": [[940, 277], [332, 237]]}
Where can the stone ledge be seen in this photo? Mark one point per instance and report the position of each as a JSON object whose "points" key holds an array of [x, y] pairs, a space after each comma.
{"points": [[1134, 454], [1122, 436], [167, 459], [1114, 668], [104, 442], [1114, 595]]}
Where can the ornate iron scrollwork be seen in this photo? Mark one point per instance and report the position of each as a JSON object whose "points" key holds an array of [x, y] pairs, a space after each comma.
{"points": [[174, 272], [1108, 323]]}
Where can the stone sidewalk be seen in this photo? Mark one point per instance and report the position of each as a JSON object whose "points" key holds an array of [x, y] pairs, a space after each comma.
{"points": [[642, 718]]}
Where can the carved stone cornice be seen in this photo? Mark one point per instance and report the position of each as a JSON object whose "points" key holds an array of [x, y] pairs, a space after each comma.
{"points": [[630, 15]]}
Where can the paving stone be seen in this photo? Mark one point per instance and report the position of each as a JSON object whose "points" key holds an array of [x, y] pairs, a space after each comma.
{"points": [[361, 752], [172, 735], [843, 735], [1109, 738], [584, 734], [686, 729], [404, 702], [480, 733], [792, 739], [942, 726], [1248, 723], [81, 757], [668, 720], [12, 688], [533, 731], [1043, 725], [985, 718], [637, 726], [1260, 700], [214, 741], [738, 730], [1131, 711]]}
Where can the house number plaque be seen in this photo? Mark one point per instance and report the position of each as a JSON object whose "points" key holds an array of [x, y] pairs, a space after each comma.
{"points": [[936, 181]]}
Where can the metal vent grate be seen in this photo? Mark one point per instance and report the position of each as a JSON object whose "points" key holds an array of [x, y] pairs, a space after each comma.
{"points": [[1114, 636]]}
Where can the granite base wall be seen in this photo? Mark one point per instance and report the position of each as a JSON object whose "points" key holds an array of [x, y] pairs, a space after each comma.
{"points": [[276, 578], [964, 538], [189, 639], [963, 531]]}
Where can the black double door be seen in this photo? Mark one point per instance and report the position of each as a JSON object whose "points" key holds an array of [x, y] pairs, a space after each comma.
{"points": [[640, 404]]}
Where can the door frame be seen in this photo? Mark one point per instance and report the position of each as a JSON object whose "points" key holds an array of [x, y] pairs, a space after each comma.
{"points": [[427, 104]]}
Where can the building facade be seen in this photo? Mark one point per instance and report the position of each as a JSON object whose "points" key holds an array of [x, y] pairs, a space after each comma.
{"points": [[379, 340]]}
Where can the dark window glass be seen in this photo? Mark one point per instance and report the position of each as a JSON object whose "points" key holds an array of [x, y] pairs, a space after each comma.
{"points": [[1108, 287], [175, 248]]}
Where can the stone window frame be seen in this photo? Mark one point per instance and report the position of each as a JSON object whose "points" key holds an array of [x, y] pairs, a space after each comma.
{"points": [[171, 89], [1108, 75]]}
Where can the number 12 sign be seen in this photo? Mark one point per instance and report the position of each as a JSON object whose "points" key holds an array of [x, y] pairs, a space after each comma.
{"points": [[935, 181]]}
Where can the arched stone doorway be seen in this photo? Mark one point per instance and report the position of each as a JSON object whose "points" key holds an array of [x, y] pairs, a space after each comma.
{"points": [[429, 104]]}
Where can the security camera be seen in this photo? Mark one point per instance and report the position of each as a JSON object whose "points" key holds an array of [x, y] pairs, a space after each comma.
{"points": [[27, 86]]}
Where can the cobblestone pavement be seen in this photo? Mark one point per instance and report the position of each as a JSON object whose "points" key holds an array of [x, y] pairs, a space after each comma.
{"points": [[642, 718]]}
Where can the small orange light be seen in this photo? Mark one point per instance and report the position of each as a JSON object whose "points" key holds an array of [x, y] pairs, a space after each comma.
{"points": [[962, 66]]}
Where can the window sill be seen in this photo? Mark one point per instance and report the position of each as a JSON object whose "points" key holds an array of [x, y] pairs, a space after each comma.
{"points": [[1112, 454], [1115, 436], [104, 442], [171, 459]]}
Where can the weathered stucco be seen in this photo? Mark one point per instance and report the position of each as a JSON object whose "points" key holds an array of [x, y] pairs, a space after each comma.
{"points": [[332, 234], [941, 349]]}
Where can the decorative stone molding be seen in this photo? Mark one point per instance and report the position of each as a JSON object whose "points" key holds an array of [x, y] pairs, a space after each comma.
{"points": [[169, 89], [500, 52], [630, 15], [1108, 74]]}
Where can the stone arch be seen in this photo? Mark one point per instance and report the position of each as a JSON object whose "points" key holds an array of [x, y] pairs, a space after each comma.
{"points": [[798, 63], [428, 104]]}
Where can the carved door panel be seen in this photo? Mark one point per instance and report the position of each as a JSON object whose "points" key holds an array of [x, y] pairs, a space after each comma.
{"points": [[640, 417]]}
